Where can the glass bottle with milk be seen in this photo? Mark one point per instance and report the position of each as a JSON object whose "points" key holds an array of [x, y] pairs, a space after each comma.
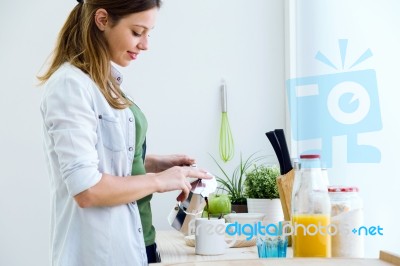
{"points": [[311, 210]]}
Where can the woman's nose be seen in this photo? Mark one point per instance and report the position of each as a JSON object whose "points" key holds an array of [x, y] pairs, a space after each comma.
{"points": [[144, 43]]}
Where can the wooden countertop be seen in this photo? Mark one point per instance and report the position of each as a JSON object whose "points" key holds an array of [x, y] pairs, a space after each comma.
{"points": [[174, 251]]}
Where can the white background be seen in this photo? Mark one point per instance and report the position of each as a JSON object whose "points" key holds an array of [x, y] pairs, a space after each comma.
{"points": [[195, 44]]}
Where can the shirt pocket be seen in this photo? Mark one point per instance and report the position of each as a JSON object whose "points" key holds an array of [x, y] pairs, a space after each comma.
{"points": [[111, 133]]}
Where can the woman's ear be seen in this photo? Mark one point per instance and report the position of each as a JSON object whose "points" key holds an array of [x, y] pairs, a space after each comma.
{"points": [[101, 18]]}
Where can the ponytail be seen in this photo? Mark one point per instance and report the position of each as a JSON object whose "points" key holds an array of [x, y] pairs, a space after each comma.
{"points": [[83, 45]]}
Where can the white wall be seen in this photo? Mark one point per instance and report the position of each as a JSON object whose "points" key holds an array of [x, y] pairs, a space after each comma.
{"points": [[194, 45]]}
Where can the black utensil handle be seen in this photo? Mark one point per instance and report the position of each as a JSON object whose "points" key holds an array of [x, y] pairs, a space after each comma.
{"points": [[275, 144], [287, 165]]}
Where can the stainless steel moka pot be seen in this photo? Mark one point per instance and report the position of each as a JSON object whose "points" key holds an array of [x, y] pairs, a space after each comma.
{"points": [[184, 212]]}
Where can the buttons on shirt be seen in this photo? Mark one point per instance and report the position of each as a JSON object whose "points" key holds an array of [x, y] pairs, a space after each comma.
{"points": [[130, 149], [116, 75], [140, 230], [130, 119]]}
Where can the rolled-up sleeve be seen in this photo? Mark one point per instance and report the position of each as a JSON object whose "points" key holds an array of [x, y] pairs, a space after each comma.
{"points": [[71, 123]]}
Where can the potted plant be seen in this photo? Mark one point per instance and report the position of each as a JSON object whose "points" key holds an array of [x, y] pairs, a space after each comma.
{"points": [[262, 193], [233, 184]]}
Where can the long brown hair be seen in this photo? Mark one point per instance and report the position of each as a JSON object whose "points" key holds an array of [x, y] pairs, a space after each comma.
{"points": [[82, 44]]}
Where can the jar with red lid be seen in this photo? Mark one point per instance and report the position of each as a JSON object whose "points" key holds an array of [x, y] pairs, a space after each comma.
{"points": [[346, 215]]}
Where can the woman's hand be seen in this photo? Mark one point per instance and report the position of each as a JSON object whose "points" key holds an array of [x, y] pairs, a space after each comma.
{"points": [[165, 173], [176, 178], [115, 190], [159, 163]]}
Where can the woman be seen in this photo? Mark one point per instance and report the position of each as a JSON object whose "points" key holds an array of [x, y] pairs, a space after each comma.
{"points": [[91, 139]]}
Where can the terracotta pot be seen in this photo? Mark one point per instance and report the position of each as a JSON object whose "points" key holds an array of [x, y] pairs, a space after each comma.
{"points": [[239, 208]]}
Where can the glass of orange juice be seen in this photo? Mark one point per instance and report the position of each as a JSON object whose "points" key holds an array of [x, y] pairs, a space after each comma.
{"points": [[311, 210], [311, 236]]}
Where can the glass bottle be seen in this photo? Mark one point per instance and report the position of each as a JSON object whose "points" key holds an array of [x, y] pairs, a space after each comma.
{"points": [[346, 214], [311, 210], [324, 170]]}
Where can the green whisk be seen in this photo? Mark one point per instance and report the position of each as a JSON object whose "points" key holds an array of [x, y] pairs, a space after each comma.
{"points": [[226, 145]]}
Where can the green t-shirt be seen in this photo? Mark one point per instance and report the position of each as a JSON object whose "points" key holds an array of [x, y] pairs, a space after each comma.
{"points": [[138, 168]]}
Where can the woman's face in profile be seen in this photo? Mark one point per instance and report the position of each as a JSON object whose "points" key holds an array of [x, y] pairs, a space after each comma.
{"points": [[129, 36]]}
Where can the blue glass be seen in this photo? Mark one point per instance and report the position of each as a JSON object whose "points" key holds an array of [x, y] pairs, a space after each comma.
{"points": [[272, 246]]}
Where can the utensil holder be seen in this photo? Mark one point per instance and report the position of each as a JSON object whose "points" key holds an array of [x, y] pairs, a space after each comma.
{"points": [[285, 187]]}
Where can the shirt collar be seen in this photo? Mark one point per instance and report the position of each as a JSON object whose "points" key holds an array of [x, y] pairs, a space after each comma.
{"points": [[116, 75]]}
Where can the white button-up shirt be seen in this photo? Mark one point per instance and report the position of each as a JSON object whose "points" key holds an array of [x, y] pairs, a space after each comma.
{"points": [[83, 138]]}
